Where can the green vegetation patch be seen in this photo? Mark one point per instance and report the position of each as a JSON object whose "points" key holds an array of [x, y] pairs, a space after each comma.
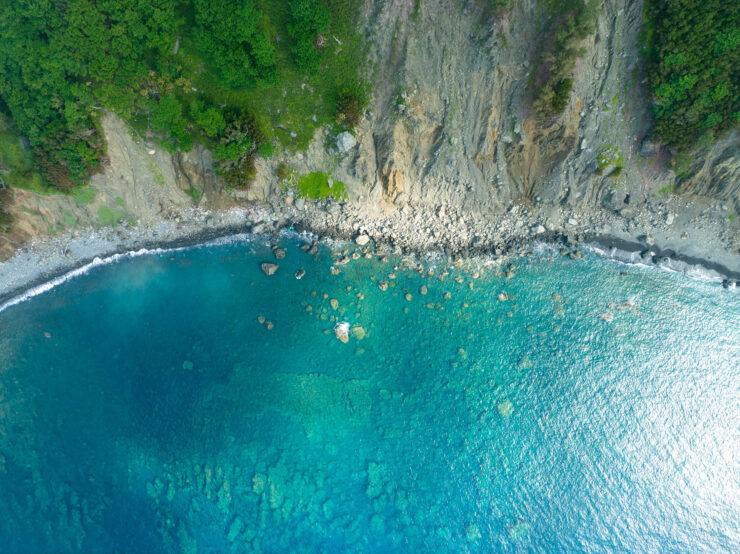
{"points": [[176, 67], [609, 156], [194, 193], [110, 216], [567, 22], [693, 50], [320, 186], [681, 163], [16, 163], [82, 194]]}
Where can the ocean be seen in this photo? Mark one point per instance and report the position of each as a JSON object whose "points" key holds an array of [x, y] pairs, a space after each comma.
{"points": [[184, 401]]}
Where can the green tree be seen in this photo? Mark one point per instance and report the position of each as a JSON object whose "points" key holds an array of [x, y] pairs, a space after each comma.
{"points": [[235, 39], [693, 68], [310, 20]]}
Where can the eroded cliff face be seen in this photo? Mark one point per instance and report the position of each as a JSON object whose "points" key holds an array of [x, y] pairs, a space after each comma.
{"points": [[450, 120], [138, 184], [449, 126]]}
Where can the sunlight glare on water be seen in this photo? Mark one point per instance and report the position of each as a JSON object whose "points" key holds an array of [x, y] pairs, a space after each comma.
{"points": [[582, 405]]}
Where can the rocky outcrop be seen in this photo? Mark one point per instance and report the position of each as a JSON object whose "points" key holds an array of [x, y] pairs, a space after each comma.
{"points": [[715, 172], [139, 184], [448, 130], [450, 123]]}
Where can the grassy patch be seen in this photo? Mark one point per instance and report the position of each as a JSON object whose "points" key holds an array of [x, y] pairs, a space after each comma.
{"points": [[109, 216], [194, 193], [69, 221], [319, 186], [609, 156], [83, 194], [681, 164]]}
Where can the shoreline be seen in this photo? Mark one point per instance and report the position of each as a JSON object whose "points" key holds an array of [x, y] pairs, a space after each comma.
{"points": [[55, 257]]}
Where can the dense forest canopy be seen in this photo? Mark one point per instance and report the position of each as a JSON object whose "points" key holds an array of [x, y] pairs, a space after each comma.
{"points": [[693, 68], [166, 65]]}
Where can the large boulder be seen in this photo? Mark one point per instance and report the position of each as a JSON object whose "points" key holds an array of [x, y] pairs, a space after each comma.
{"points": [[269, 268], [346, 141], [341, 330]]}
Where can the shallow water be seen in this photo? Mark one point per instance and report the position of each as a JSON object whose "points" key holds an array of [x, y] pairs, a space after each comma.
{"points": [[144, 407]]}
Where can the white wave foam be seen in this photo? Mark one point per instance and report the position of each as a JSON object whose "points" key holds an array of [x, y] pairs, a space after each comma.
{"points": [[698, 272], [82, 270]]}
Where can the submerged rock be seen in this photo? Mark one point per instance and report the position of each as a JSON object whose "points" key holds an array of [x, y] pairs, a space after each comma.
{"points": [[300, 274], [505, 408], [358, 332], [341, 331], [607, 316], [269, 268], [473, 532], [279, 253], [383, 285]]}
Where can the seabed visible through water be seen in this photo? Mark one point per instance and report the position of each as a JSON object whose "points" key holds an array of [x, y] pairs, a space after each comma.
{"points": [[184, 401]]}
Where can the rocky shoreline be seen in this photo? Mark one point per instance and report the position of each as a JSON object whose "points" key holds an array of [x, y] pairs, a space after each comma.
{"points": [[410, 230]]}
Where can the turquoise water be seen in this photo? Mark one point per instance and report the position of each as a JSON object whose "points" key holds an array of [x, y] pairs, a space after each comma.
{"points": [[144, 407]]}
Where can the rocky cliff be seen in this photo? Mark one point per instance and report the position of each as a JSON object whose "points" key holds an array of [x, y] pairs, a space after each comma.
{"points": [[450, 121], [449, 127]]}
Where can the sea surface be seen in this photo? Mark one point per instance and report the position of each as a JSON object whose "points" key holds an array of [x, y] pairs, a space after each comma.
{"points": [[183, 401]]}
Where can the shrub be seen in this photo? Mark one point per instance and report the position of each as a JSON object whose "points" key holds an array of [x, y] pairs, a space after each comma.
{"points": [[235, 153], [210, 119], [349, 107], [282, 171]]}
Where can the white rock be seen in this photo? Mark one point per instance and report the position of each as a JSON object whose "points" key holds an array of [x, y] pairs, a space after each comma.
{"points": [[572, 222], [539, 229], [669, 218], [362, 240], [341, 330], [152, 152], [346, 141]]}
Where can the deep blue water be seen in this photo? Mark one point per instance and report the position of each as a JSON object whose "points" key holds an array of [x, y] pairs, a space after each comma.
{"points": [[144, 407]]}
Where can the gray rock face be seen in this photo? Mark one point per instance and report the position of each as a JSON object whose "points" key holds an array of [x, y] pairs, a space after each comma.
{"points": [[269, 268], [346, 141]]}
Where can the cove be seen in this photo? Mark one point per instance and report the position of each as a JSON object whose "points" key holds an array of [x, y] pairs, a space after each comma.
{"points": [[580, 405]]}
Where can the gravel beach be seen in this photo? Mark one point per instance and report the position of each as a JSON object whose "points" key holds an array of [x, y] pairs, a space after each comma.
{"points": [[692, 244]]}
